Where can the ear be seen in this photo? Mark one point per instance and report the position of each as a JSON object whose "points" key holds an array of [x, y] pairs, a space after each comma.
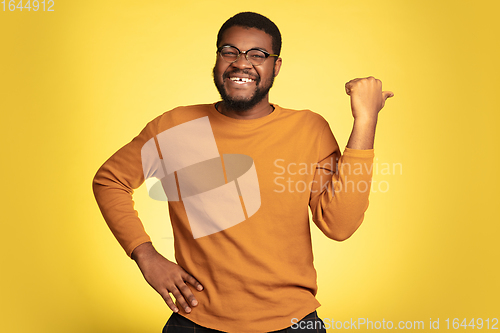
{"points": [[277, 66]]}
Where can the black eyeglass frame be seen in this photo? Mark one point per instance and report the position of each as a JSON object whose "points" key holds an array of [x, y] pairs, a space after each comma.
{"points": [[267, 54]]}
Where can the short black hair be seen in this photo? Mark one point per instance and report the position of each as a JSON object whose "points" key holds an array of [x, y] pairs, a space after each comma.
{"points": [[253, 20]]}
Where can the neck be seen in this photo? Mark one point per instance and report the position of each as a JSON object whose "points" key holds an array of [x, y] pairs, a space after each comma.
{"points": [[262, 109]]}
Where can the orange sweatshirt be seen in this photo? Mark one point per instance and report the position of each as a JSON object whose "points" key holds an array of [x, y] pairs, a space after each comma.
{"points": [[238, 194]]}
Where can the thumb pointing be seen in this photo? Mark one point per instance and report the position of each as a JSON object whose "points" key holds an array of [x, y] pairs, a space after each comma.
{"points": [[387, 94]]}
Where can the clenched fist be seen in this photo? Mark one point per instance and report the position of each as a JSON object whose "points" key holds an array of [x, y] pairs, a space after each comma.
{"points": [[367, 97]]}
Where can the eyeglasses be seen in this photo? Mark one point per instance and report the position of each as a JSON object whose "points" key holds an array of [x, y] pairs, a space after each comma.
{"points": [[255, 56]]}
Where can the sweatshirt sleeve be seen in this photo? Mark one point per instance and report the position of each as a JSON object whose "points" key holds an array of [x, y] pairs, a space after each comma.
{"points": [[114, 185], [341, 188]]}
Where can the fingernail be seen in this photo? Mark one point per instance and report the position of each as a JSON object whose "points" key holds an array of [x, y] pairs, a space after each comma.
{"points": [[188, 309], [195, 303], [199, 288], [176, 310]]}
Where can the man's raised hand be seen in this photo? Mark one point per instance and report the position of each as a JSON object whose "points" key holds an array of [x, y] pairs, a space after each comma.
{"points": [[367, 97]]}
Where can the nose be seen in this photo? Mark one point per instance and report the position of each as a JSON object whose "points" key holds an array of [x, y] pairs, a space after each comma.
{"points": [[242, 62]]}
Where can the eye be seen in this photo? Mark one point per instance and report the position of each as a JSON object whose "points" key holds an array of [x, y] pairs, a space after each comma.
{"points": [[255, 54], [229, 52]]}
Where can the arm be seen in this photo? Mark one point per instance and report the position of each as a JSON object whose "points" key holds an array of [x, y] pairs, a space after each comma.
{"points": [[341, 185], [113, 186]]}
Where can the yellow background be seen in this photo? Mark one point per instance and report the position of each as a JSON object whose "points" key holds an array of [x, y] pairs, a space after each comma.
{"points": [[80, 82]]}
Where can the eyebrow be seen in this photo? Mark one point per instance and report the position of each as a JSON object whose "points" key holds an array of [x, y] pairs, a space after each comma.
{"points": [[252, 48]]}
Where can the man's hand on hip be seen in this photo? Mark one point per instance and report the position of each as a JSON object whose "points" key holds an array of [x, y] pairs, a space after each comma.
{"points": [[166, 277]]}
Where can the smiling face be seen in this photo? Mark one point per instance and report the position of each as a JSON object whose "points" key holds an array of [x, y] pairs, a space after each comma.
{"points": [[241, 85]]}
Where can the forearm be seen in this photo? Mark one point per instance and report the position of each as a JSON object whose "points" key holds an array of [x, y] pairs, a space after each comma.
{"points": [[117, 207], [363, 133]]}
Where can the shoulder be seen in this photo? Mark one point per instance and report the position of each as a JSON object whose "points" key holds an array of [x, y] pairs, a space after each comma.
{"points": [[188, 111], [182, 114], [305, 116]]}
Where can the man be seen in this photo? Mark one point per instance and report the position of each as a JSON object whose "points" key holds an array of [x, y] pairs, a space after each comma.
{"points": [[239, 176]]}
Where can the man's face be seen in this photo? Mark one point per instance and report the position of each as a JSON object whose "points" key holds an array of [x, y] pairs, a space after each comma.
{"points": [[240, 84]]}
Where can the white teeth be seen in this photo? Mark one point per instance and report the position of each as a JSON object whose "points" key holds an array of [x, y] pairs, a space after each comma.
{"points": [[241, 79]]}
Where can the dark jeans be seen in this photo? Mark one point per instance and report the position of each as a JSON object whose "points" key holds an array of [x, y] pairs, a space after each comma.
{"points": [[309, 324]]}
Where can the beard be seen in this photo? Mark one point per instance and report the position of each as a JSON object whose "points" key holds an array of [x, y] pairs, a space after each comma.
{"points": [[243, 104]]}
